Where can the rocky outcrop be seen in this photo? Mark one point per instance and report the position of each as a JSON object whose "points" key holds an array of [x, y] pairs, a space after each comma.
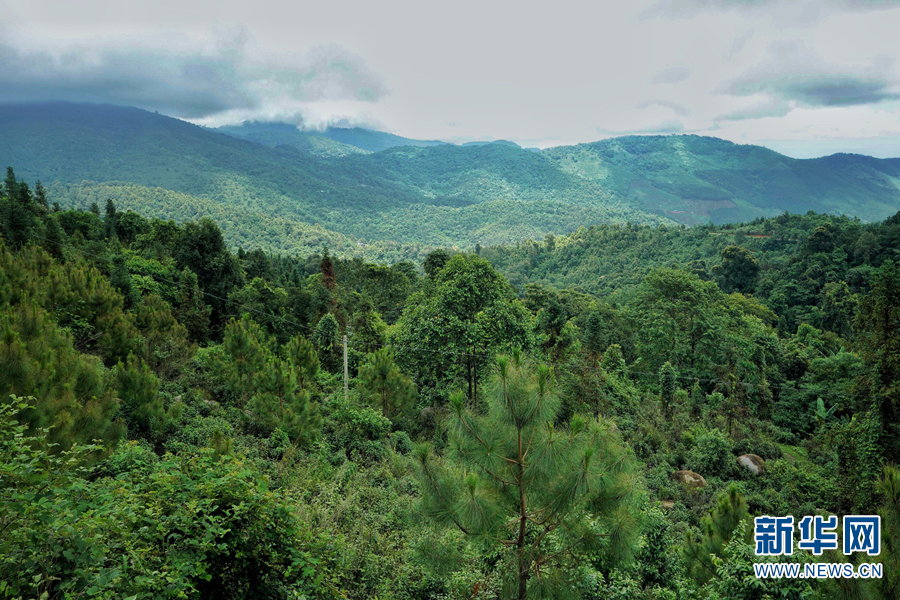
{"points": [[689, 478], [752, 462]]}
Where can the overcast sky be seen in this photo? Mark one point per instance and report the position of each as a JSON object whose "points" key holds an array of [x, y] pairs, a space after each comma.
{"points": [[807, 78]]}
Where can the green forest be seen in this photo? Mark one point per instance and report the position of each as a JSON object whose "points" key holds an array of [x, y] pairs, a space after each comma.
{"points": [[386, 207], [387, 199], [598, 415]]}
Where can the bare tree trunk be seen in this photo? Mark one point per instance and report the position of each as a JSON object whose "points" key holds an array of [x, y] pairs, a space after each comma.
{"points": [[474, 376], [523, 520]]}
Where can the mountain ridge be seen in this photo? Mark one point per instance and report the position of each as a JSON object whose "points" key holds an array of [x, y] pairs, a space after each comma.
{"points": [[353, 196], [436, 194]]}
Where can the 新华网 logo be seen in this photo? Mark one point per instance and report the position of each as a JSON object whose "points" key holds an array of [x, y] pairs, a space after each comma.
{"points": [[774, 536]]}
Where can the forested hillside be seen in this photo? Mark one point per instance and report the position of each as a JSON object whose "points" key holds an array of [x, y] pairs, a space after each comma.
{"points": [[282, 134], [382, 197], [87, 151], [798, 261], [694, 179], [175, 424], [333, 141]]}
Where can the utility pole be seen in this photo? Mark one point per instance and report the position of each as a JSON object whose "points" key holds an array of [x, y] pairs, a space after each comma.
{"points": [[346, 372]]}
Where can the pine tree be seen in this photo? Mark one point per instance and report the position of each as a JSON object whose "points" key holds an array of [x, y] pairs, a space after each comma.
{"points": [[71, 392], [80, 298], [326, 336], [142, 407], [327, 268], [221, 444], [10, 184], [17, 211], [278, 402], [54, 238], [192, 312], [244, 355], [594, 336], [201, 248], [301, 354], [271, 389], [717, 529], [120, 278], [40, 196], [516, 483], [112, 219], [167, 346], [384, 386]]}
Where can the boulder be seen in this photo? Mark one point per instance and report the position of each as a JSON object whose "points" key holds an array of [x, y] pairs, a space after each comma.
{"points": [[689, 478], [752, 462]]}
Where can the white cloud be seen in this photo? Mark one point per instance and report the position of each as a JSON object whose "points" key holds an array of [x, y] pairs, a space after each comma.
{"points": [[193, 78], [480, 70]]}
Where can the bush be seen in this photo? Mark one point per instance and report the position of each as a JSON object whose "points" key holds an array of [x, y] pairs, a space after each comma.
{"points": [[401, 442], [360, 431], [711, 455], [203, 526]]}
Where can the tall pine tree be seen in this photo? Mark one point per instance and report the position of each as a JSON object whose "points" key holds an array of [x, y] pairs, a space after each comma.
{"points": [[520, 485]]}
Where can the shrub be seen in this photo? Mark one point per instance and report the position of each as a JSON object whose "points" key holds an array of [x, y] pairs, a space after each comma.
{"points": [[711, 455]]}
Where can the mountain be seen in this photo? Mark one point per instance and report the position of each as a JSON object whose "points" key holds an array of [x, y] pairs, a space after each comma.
{"points": [[284, 134], [371, 140], [687, 178], [334, 141], [403, 200], [695, 179], [501, 142], [387, 205]]}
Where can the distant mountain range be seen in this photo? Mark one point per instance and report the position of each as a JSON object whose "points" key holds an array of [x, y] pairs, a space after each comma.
{"points": [[692, 179], [334, 141], [386, 197]]}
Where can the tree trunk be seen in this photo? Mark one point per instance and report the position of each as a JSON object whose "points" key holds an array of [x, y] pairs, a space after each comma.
{"points": [[474, 376], [523, 520]]}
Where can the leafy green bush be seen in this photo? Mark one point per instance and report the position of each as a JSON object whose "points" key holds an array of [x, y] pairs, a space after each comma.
{"points": [[192, 525], [711, 455], [360, 431]]}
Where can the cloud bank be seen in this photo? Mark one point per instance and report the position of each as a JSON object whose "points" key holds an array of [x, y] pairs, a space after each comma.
{"points": [[792, 75], [192, 79], [805, 71]]}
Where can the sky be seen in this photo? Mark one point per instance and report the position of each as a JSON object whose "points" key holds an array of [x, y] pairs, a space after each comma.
{"points": [[806, 78]]}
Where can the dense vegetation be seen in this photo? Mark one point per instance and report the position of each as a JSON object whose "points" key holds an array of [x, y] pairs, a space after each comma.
{"points": [[376, 208], [386, 198], [174, 421], [333, 141], [694, 179]]}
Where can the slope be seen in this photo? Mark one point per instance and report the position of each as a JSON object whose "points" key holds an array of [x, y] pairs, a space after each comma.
{"points": [[284, 134], [356, 196], [370, 139], [695, 179]]}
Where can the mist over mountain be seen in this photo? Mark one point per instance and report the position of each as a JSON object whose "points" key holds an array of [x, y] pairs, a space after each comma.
{"points": [[386, 205], [385, 196], [333, 141]]}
